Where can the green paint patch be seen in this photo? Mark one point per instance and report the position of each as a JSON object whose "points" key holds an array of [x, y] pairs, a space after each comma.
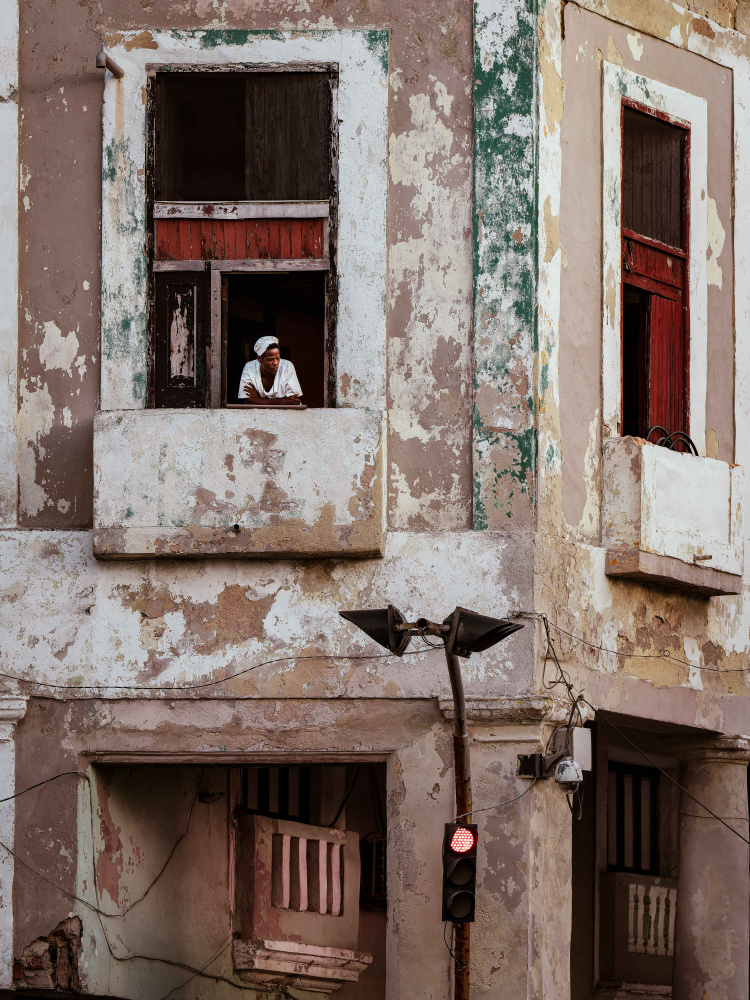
{"points": [[505, 272], [377, 42]]}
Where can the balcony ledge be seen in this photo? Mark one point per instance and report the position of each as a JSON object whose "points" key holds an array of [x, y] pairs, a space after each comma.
{"points": [[671, 518]]}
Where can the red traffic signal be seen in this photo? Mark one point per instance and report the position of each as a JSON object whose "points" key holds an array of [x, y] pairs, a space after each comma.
{"points": [[459, 872]]}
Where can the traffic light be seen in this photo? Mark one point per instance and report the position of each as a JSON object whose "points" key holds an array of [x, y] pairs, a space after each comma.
{"points": [[459, 872]]}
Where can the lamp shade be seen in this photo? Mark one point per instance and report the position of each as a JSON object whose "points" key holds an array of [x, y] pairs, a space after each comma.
{"points": [[473, 633], [379, 624]]}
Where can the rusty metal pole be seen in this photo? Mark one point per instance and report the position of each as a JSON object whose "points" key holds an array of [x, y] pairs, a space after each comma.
{"points": [[462, 940]]}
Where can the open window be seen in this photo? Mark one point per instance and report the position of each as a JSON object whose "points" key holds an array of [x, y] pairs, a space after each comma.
{"points": [[242, 234], [655, 272]]}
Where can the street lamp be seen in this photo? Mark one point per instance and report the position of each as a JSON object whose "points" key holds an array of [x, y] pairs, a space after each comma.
{"points": [[463, 632]]}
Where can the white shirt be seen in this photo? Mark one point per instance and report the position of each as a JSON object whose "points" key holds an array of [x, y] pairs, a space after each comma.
{"points": [[285, 383]]}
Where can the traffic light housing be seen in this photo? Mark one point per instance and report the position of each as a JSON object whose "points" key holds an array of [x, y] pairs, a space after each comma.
{"points": [[459, 872]]}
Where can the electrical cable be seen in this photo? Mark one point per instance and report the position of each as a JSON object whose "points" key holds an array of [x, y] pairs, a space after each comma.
{"points": [[497, 805], [666, 774], [564, 678], [458, 961], [62, 774], [629, 656], [207, 684]]}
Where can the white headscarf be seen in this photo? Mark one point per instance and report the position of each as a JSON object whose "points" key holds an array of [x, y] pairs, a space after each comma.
{"points": [[262, 345]]}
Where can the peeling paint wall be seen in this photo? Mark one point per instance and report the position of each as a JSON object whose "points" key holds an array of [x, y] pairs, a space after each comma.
{"points": [[481, 350]]}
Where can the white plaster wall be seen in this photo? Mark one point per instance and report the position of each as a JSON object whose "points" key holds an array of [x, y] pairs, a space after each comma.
{"points": [[8, 259], [79, 621], [361, 57], [256, 468], [11, 711]]}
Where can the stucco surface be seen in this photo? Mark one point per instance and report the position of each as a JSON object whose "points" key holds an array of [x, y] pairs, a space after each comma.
{"points": [[83, 621], [428, 300], [190, 482]]}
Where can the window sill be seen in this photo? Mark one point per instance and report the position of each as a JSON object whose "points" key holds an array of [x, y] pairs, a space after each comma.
{"points": [[250, 482], [671, 518]]}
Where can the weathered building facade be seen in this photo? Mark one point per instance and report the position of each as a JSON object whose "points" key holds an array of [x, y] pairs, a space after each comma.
{"points": [[502, 240]]}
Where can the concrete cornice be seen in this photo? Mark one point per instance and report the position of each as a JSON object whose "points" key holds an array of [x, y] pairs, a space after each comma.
{"points": [[13, 709], [510, 710]]}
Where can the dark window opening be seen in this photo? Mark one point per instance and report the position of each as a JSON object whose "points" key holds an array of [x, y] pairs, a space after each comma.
{"points": [[634, 348], [292, 307], [632, 819], [234, 136], [222, 145], [653, 178], [655, 274]]}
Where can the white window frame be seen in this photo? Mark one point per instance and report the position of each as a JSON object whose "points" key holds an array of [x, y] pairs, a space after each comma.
{"points": [[361, 58], [622, 84]]}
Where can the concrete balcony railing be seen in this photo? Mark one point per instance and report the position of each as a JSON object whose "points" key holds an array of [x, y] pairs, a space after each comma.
{"points": [[671, 518], [244, 482], [636, 929]]}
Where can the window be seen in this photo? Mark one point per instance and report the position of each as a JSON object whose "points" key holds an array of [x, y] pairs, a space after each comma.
{"points": [[655, 272], [632, 819], [242, 184]]}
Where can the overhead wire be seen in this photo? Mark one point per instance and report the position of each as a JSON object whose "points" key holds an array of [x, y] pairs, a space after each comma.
{"points": [[212, 683], [564, 678]]}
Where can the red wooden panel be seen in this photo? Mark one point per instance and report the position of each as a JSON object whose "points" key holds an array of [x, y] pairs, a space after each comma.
{"points": [[285, 234], [183, 228], [296, 226], [230, 237], [206, 239], [318, 234], [274, 239], [652, 263], [162, 240], [307, 237], [262, 238], [240, 239], [252, 240], [219, 248], [666, 365], [195, 238]]}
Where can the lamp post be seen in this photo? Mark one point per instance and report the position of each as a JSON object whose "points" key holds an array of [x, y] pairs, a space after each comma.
{"points": [[462, 633]]}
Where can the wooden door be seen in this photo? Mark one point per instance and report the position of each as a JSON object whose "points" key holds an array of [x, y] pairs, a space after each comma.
{"points": [[181, 339], [667, 363]]}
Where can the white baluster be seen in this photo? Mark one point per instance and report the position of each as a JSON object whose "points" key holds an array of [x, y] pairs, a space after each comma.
{"points": [[285, 870], [336, 879], [303, 896], [323, 875]]}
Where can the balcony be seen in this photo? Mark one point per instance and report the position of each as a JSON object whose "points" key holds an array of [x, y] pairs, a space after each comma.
{"points": [[636, 935], [297, 905], [246, 482], [671, 518]]}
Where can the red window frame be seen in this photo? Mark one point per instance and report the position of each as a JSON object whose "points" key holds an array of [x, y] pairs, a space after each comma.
{"points": [[649, 273]]}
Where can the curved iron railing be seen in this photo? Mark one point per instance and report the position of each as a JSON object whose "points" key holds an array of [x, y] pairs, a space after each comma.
{"points": [[676, 441]]}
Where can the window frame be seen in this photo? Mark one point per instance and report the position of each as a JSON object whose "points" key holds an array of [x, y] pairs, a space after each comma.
{"points": [[215, 271], [637, 771], [361, 56], [649, 285], [654, 97]]}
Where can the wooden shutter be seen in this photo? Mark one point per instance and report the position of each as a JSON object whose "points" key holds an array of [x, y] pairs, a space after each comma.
{"points": [[181, 339], [667, 363]]}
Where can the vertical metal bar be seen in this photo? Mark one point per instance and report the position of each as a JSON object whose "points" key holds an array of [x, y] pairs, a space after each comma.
{"points": [[462, 940]]}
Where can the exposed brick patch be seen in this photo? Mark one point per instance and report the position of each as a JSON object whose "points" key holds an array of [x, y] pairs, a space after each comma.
{"points": [[51, 963]]}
